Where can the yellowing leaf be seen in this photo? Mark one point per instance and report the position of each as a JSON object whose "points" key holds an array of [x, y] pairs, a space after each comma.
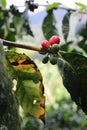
{"points": [[30, 90]]}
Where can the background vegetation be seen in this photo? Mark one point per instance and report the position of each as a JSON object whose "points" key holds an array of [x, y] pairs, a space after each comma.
{"points": [[61, 112]]}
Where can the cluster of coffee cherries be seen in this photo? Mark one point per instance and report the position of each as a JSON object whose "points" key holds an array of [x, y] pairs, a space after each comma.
{"points": [[50, 49]]}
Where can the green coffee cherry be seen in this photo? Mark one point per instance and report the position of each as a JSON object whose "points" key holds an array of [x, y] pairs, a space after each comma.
{"points": [[43, 52], [53, 59], [45, 59], [54, 48]]}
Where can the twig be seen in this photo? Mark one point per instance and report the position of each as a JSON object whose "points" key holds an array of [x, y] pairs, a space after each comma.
{"points": [[13, 44], [59, 7]]}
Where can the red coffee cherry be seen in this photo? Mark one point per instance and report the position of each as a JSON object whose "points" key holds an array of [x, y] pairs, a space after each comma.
{"points": [[45, 44], [54, 39]]}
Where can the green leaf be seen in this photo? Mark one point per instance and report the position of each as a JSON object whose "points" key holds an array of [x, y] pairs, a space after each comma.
{"points": [[80, 4], [29, 91], [21, 26], [83, 7], [49, 26], [26, 25], [11, 36], [3, 3], [66, 46], [83, 45], [73, 69], [65, 25], [53, 6], [27, 28], [81, 27], [18, 25]]}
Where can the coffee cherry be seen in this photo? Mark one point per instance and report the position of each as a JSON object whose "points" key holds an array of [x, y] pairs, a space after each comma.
{"points": [[53, 59], [45, 59], [54, 39], [43, 51], [45, 44], [54, 48]]}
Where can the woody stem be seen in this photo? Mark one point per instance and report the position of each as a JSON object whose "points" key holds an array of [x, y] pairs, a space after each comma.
{"points": [[14, 44]]}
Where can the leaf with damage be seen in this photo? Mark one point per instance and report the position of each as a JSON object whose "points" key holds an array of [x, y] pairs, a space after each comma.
{"points": [[29, 89]]}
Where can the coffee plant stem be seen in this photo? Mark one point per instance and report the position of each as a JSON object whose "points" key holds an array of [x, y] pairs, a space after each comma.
{"points": [[13, 44]]}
